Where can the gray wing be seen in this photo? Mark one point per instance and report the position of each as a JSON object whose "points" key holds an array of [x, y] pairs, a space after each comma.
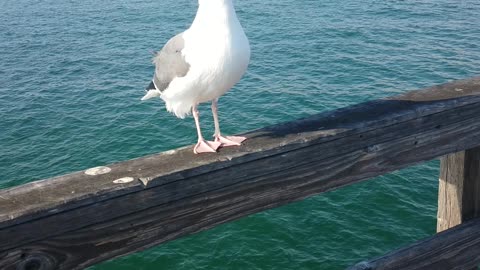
{"points": [[169, 62]]}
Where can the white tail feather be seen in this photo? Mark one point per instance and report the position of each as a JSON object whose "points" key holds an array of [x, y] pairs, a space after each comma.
{"points": [[151, 94]]}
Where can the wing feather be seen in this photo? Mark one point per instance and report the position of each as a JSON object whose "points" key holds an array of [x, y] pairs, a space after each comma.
{"points": [[170, 63]]}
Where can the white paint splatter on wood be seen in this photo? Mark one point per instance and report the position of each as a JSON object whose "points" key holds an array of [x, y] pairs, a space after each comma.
{"points": [[124, 180], [98, 170]]}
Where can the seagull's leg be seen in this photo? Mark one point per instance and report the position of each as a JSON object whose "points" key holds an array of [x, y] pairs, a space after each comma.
{"points": [[228, 140], [202, 146]]}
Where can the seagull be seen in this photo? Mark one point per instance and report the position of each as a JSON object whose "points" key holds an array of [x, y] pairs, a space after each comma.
{"points": [[200, 65]]}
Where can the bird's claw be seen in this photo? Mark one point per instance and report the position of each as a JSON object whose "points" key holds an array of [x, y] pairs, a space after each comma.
{"points": [[206, 147], [229, 140]]}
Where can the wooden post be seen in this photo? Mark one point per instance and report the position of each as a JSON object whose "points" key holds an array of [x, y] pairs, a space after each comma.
{"points": [[459, 191]]}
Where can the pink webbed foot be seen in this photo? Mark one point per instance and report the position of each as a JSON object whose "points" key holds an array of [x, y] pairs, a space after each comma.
{"points": [[206, 147], [229, 140]]}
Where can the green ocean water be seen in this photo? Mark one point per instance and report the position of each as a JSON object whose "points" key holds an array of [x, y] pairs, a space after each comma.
{"points": [[72, 74]]}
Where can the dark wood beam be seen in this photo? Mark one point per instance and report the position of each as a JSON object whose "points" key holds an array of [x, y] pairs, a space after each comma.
{"points": [[454, 249]]}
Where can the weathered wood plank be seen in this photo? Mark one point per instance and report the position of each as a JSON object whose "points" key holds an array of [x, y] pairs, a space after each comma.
{"points": [[459, 189], [77, 220], [454, 249], [76, 189]]}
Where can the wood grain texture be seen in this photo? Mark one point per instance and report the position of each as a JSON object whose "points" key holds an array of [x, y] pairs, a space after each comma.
{"points": [[450, 191], [454, 249], [459, 189], [76, 220]]}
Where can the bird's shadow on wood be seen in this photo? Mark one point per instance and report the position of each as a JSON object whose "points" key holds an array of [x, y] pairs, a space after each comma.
{"points": [[378, 112], [363, 115]]}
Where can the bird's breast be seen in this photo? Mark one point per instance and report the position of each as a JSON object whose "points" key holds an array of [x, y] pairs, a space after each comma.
{"points": [[218, 59]]}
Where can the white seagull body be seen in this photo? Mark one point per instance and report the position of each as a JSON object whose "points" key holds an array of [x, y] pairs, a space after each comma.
{"points": [[200, 65]]}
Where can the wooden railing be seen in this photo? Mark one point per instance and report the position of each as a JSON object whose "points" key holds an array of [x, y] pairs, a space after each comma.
{"points": [[77, 220]]}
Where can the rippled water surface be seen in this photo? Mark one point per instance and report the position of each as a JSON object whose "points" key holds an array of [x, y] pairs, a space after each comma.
{"points": [[72, 74]]}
